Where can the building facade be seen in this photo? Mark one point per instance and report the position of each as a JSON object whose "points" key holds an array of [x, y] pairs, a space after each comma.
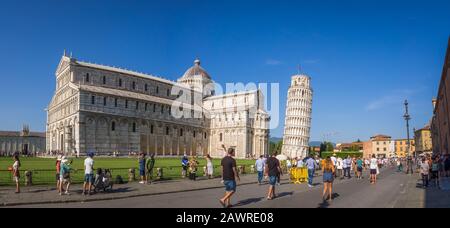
{"points": [[298, 117], [401, 147], [423, 140], [381, 147], [440, 124], [23, 142], [112, 110]]}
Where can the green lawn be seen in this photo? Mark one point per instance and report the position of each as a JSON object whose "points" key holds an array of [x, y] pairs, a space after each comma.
{"points": [[44, 168]]}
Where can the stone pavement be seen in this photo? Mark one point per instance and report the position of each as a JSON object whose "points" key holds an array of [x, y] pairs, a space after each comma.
{"points": [[48, 194], [418, 197]]}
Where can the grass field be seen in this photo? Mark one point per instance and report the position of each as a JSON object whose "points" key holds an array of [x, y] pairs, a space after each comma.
{"points": [[44, 168]]}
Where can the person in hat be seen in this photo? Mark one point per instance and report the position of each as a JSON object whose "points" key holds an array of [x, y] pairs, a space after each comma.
{"points": [[64, 175]]}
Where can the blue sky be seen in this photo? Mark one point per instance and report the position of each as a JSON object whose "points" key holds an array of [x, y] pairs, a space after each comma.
{"points": [[364, 57]]}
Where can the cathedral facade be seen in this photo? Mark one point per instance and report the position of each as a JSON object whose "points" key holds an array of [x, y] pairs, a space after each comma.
{"points": [[109, 110]]}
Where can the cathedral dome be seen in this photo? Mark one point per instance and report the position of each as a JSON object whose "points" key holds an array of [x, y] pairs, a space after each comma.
{"points": [[195, 71]]}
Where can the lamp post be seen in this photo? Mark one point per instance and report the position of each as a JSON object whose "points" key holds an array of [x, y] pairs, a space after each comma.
{"points": [[407, 118]]}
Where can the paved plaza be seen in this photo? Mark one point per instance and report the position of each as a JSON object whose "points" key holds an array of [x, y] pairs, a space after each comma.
{"points": [[393, 190]]}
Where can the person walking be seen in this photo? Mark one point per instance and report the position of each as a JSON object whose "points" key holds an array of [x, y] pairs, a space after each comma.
{"points": [[435, 171], [65, 176], [373, 169], [209, 167], [16, 172], [409, 165], [229, 177], [447, 165], [273, 170], [142, 162], [359, 168], [88, 173], [328, 178], [150, 166], [424, 171], [259, 164], [311, 165], [339, 168]]}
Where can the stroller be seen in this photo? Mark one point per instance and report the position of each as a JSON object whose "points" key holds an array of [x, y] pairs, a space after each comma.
{"points": [[103, 180]]}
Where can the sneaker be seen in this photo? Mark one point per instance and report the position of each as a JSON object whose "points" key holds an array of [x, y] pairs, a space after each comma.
{"points": [[310, 186], [67, 193], [141, 182]]}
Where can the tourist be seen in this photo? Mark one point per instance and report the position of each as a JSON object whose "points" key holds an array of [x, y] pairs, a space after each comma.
{"points": [[150, 165], [184, 165], [288, 164], [339, 168], [16, 172], [347, 167], [366, 163], [259, 164], [311, 165], [328, 177], [193, 164], [88, 173], [435, 166], [229, 177], [409, 165], [58, 170], [424, 170], [359, 168], [209, 167], [65, 175], [142, 168], [273, 170], [373, 169], [300, 163], [398, 165]]}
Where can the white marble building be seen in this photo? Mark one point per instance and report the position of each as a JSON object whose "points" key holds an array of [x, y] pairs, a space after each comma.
{"points": [[111, 110], [298, 117]]}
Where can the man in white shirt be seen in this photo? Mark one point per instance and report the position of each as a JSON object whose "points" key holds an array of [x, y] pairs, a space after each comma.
{"points": [[259, 164], [339, 168], [373, 170], [88, 173]]}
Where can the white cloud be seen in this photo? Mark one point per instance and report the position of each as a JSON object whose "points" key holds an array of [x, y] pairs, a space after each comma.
{"points": [[273, 62], [395, 97]]}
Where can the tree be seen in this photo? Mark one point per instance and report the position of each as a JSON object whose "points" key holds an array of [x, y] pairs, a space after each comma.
{"points": [[330, 146]]}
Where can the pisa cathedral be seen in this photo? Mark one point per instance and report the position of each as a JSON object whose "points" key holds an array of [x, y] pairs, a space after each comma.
{"points": [[112, 110], [298, 118]]}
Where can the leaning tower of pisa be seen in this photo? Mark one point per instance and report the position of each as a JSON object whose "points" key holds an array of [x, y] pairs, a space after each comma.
{"points": [[298, 117]]}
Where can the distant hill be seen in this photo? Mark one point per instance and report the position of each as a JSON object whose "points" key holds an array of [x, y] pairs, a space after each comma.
{"points": [[317, 143], [275, 139]]}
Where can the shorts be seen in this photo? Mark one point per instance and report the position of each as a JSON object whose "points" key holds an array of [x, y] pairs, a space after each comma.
{"points": [[360, 169], [272, 180], [328, 177], [57, 177], [89, 178], [373, 171], [16, 179], [230, 185], [142, 172]]}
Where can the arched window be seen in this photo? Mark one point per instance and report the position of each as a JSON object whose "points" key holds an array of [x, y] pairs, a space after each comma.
{"points": [[157, 89], [137, 105], [146, 87], [113, 126], [151, 129], [104, 101], [92, 99], [120, 82], [181, 132], [168, 92], [134, 127], [115, 102], [167, 130], [221, 137], [126, 103], [134, 85], [87, 77], [104, 80]]}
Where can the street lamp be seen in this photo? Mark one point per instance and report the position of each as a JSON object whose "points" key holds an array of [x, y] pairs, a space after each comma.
{"points": [[407, 118]]}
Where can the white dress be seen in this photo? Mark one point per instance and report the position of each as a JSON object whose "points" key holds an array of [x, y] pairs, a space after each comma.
{"points": [[209, 168]]}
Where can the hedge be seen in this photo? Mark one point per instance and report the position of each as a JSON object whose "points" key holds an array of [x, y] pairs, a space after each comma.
{"points": [[342, 154]]}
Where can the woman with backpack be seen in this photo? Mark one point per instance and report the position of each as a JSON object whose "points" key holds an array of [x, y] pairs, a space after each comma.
{"points": [[65, 176]]}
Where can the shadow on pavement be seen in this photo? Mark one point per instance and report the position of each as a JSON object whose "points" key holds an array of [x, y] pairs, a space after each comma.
{"points": [[248, 201], [436, 196], [326, 204]]}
